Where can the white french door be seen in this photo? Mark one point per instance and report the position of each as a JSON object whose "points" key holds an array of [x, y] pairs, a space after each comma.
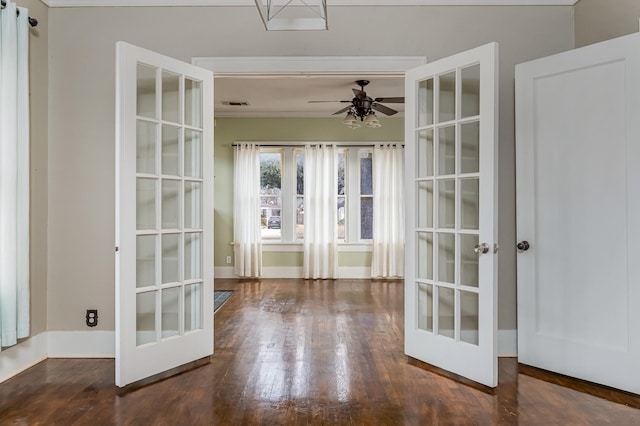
{"points": [[164, 213], [578, 204], [451, 169]]}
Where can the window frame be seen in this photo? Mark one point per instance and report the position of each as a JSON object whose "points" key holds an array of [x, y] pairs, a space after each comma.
{"points": [[289, 195]]}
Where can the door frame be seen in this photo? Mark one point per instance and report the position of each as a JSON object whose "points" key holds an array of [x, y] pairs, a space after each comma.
{"points": [[225, 66]]}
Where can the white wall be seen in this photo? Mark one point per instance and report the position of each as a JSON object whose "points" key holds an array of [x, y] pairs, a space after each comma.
{"points": [[81, 131]]}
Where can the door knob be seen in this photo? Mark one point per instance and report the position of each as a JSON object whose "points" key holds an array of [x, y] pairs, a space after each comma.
{"points": [[522, 246], [481, 248]]}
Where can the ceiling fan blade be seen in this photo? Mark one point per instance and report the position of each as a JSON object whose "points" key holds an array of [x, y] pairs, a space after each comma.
{"points": [[383, 109], [316, 102], [342, 110], [398, 100], [359, 93]]}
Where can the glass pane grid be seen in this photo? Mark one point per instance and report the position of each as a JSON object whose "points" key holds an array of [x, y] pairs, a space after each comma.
{"points": [[165, 155], [455, 160]]}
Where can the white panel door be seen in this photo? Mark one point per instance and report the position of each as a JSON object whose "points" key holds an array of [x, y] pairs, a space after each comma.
{"points": [[451, 173], [578, 210], [164, 213]]}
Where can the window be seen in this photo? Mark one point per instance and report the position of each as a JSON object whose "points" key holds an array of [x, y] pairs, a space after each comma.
{"points": [[271, 194], [282, 194], [366, 195]]}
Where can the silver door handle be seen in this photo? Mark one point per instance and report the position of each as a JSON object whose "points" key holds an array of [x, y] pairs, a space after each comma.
{"points": [[522, 246], [481, 248]]}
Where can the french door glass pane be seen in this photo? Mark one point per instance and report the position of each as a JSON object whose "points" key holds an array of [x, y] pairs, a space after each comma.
{"points": [[192, 206], [146, 91], [170, 97], [470, 147], [425, 153], [447, 97], [447, 203], [146, 147], [447, 150], [468, 260], [425, 103], [170, 150], [425, 307], [192, 103], [425, 255], [145, 203], [470, 83], [446, 311], [446, 258], [170, 312], [469, 320], [470, 211], [170, 258], [145, 317], [192, 307], [193, 153], [145, 260], [192, 256], [170, 204], [425, 204]]}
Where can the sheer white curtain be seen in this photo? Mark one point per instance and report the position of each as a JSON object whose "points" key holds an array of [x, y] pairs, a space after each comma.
{"points": [[320, 212], [14, 175], [247, 246], [388, 211]]}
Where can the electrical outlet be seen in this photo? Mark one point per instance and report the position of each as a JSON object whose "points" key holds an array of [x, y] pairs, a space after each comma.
{"points": [[92, 317], [228, 260]]}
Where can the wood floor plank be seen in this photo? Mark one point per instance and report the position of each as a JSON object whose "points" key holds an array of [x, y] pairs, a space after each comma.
{"points": [[295, 352]]}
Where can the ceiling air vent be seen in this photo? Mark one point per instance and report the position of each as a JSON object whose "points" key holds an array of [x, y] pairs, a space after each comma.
{"points": [[235, 103]]}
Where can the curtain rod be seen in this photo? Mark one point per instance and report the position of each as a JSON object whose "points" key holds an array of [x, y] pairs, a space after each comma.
{"points": [[340, 145], [32, 21]]}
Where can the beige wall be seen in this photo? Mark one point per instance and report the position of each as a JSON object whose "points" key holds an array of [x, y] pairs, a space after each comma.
{"points": [[82, 78], [599, 20]]}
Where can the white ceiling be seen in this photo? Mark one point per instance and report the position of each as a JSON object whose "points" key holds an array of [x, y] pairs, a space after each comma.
{"points": [[288, 96]]}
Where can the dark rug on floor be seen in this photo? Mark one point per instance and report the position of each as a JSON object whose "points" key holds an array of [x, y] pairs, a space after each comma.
{"points": [[220, 297]]}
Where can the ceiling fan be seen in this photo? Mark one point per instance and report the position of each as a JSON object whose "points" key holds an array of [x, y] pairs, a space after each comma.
{"points": [[362, 106]]}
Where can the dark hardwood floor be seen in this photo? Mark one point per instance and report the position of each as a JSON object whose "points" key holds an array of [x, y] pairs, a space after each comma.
{"points": [[303, 352]]}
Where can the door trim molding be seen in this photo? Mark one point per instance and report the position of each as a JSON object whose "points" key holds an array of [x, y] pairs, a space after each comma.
{"points": [[317, 65]]}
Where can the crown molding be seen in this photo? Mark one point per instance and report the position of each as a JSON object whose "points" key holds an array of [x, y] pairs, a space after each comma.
{"points": [[331, 3]]}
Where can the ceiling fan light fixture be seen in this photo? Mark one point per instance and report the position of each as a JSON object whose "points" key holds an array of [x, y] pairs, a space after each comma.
{"points": [[372, 121], [351, 121]]}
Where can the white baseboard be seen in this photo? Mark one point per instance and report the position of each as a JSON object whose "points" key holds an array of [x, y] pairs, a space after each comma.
{"points": [[354, 272], [282, 272], [223, 272], [18, 358], [82, 344], [507, 343]]}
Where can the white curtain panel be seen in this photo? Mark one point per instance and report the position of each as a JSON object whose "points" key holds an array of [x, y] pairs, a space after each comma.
{"points": [[247, 245], [388, 212], [320, 212], [14, 175]]}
